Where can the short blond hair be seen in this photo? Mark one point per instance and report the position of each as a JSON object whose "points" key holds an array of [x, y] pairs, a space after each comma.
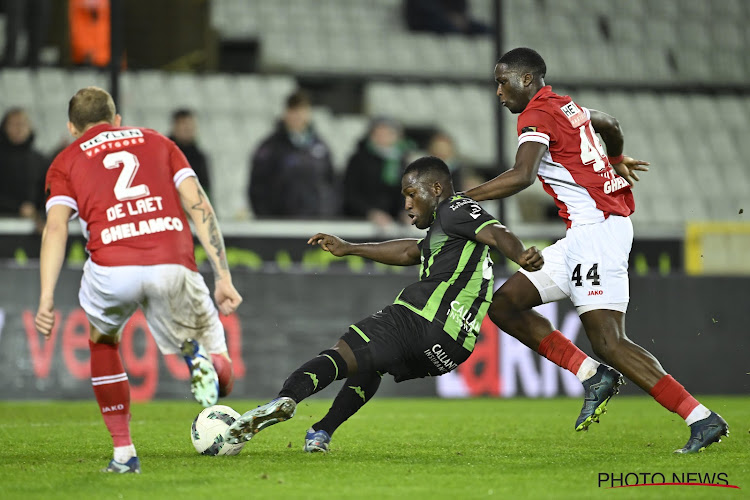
{"points": [[91, 105]]}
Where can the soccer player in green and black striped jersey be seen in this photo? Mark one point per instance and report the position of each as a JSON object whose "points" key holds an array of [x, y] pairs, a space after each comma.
{"points": [[430, 328]]}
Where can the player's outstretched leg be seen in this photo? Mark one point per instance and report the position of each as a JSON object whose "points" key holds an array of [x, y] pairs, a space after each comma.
{"points": [[597, 391], [254, 421], [311, 377], [704, 433], [357, 390], [204, 382]]}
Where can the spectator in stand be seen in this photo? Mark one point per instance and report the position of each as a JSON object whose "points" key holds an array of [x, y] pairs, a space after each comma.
{"points": [[31, 17], [441, 145], [184, 132], [442, 17], [22, 167], [372, 182], [465, 177], [291, 171]]}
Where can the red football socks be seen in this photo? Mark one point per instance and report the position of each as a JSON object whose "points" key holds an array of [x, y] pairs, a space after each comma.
{"points": [[672, 395], [561, 351], [112, 391], [223, 367]]}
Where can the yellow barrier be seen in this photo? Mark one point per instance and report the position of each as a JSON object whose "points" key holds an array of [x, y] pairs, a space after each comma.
{"points": [[717, 248]]}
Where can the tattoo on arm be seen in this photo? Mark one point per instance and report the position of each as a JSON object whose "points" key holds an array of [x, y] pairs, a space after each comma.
{"points": [[200, 206], [217, 242], [214, 236]]}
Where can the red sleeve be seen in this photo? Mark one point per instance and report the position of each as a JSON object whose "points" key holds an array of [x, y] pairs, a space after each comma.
{"points": [[58, 189], [536, 125]]}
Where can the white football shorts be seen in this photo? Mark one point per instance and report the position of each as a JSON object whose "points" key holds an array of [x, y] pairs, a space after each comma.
{"points": [[174, 299], [589, 265]]}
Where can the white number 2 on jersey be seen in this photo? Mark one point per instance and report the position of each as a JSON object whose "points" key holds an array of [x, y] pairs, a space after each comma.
{"points": [[129, 163], [591, 151]]}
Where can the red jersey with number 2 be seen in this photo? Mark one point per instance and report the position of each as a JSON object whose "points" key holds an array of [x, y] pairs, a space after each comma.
{"points": [[575, 170], [122, 182]]}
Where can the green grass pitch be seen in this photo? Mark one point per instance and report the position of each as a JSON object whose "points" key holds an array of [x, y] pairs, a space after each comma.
{"points": [[394, 448]]}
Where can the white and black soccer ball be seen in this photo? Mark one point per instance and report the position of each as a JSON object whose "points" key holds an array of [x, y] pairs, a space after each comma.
{"points": [[207, 431]]}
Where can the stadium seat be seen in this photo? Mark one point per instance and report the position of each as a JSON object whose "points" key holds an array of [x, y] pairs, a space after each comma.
{"points": [[696, 9], [18, 84], [665, 9], [728, 9]]}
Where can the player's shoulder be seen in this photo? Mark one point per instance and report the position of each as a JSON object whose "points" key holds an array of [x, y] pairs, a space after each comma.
{"points": [[561, 109], [136, 134], [62, 160], [456, 207], [151, 139], [150, 134], [460, 216], [457, 201]]}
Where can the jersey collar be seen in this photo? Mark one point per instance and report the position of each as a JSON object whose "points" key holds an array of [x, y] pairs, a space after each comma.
{"points": [[542, 92]]}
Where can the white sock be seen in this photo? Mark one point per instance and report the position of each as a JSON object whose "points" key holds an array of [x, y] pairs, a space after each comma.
{"points": [[699, 413], [587, 369], [124, 453]]}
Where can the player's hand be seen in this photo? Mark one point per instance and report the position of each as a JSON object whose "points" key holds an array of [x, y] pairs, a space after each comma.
{"points": [[627, 168], [531, 259], [45, 317], [228, 299], [332, 244]]}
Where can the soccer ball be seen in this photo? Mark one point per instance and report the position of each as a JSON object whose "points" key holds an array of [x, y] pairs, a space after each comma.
{"points": [[207, 431]]}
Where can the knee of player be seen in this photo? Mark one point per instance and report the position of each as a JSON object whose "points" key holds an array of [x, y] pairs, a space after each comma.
{"points": [[347, 359]]}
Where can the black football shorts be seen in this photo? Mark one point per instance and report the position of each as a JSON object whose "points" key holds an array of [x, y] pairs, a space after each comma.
{"points": [[404, 344]]}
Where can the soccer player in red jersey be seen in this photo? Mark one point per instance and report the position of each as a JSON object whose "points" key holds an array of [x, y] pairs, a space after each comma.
{"points": [[557, 142], [130, 188]]}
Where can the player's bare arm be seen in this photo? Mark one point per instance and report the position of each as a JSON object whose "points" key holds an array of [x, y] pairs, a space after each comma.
{"points": [[402, 252], [201, 212], [518, 178], [500, 237], [54, 239], [609, 128]]}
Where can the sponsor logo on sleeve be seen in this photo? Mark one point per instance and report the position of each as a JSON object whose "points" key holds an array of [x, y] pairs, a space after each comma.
{"points": [[574, 114], [460, 203], [476, 211]]}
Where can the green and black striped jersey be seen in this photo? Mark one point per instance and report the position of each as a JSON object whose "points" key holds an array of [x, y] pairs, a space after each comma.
{"points": [[455, 277]]}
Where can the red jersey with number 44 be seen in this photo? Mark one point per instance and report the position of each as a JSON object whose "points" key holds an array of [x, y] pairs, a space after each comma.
{"points": [[122, 182], [575, 170]]}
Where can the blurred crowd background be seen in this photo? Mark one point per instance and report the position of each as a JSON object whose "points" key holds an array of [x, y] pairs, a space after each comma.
{"points": [[302, 109]]}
